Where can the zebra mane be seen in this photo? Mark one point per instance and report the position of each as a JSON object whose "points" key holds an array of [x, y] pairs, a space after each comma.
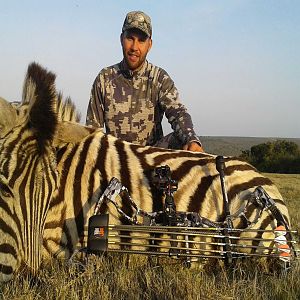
{"points": [[67, 118], [65, 109], [39, 94]]}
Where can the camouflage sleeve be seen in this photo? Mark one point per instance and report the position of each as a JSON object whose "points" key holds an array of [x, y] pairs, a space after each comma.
{"points": [[95, 111], [176, 112]]}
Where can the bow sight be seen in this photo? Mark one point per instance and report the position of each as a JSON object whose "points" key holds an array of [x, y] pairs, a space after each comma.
{"points": [[163, 182]]}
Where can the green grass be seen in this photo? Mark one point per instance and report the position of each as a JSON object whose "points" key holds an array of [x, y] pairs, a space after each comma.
{"points": [[124, 277], [289, 186]]}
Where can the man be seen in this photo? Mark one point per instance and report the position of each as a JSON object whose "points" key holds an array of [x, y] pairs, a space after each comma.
{"points": [[131, 97]]}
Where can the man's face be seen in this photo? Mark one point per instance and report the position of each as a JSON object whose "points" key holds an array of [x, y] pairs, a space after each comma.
{"points": [[135, 45]]}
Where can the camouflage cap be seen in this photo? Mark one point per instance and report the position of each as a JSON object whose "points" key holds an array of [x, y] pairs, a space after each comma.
{"points": [[139, 20]]}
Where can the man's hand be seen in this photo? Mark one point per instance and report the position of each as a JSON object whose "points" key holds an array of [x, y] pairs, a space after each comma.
{"points": [[193, 146]]}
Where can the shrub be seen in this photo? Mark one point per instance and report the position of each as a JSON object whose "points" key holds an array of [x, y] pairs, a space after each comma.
{"points": [[275, 157]]}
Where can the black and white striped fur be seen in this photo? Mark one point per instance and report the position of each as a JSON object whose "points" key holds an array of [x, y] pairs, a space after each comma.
{"points": [[52, 171]]}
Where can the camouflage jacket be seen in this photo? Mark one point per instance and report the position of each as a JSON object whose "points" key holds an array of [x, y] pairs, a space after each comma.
{"points": [[132, 105]]}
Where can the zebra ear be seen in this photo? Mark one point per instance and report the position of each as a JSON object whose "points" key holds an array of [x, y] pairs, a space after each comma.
{"points": [[70, 132], [42, 93], [8, 116]]}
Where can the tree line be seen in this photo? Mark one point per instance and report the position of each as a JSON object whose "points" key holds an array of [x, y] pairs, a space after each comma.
{"points": [[280, 156]]}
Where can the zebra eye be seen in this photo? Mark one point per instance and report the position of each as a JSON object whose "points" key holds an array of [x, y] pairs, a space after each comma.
{"points": [[5, 190]]}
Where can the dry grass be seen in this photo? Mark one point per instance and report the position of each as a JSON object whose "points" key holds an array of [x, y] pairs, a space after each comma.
{"points": [[121, 277], [116, 278]]}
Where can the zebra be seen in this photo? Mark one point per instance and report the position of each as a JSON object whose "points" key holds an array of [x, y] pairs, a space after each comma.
{"points": [[28, 168], [53, 169]]}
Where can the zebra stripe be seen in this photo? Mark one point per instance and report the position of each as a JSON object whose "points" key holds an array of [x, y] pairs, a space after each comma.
{"points": [[92, 162]]}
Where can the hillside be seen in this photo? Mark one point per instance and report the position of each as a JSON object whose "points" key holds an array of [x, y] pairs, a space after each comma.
{"points": [[226, 145]]}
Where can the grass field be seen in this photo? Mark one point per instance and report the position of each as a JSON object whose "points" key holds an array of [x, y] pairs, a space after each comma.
{"points": [[289, 186], [118, 277]]}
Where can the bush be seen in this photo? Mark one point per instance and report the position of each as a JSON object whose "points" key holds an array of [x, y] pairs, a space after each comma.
{"points": [[275, 157]]}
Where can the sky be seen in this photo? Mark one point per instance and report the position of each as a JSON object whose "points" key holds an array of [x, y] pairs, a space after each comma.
{"points": [[236, 63]]}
